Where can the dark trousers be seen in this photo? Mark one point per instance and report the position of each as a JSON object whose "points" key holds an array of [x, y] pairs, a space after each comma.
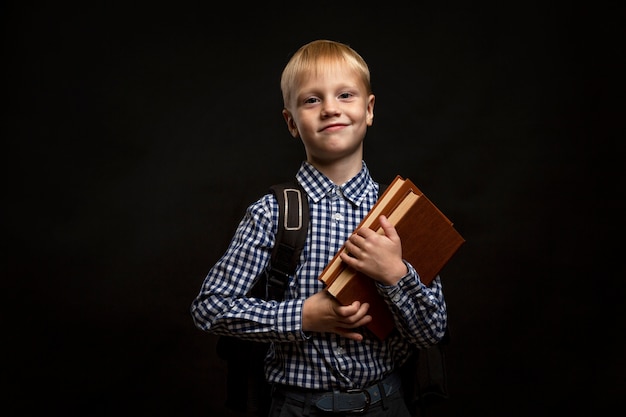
{"points": [[284, 406]]}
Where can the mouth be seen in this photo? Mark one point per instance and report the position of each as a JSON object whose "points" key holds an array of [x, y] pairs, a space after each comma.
{"points": [[333, 127]]}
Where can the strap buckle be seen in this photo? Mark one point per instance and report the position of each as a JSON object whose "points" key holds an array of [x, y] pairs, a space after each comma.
{"points": [[368, 400], [290, 216]]}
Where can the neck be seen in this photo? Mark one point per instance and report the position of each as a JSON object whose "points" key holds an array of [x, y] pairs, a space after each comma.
{"points": [[340, 171]]}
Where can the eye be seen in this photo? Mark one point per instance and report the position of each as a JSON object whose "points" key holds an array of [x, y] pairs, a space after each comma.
{"points": [[345, 95], [311, 100]]}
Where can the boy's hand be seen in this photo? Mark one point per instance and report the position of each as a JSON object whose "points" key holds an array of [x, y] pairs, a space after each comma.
{"points": [[322, 313], [378, 256]]}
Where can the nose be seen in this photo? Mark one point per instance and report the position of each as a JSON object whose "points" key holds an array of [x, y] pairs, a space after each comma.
{"points": [[330, 109]]}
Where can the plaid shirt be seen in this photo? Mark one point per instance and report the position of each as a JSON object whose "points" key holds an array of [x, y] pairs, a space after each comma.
{"points": [[308, 359]]}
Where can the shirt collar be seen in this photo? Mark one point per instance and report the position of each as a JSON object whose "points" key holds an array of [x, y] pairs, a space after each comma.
{"points": [[317, 185]]}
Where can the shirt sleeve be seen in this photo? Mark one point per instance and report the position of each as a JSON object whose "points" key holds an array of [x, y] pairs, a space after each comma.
{"points": [[419, 311], [222, 307]]}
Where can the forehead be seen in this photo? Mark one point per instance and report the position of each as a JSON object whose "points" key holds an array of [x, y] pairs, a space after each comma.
{"points": [[328, 75]]}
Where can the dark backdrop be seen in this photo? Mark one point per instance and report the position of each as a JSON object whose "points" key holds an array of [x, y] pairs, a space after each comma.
{"points": [[138, 135]]}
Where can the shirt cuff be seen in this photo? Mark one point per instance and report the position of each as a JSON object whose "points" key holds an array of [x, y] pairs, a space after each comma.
{"points": [[289, 321], [408, 284]]}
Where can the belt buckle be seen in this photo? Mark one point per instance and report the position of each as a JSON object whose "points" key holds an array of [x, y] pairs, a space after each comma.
{"points": [[368, 400]]}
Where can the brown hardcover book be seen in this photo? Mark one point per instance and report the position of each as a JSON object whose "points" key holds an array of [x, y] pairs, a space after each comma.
{"points": [[429, 240]]}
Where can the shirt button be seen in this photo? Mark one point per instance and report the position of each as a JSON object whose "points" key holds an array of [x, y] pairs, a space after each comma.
{"points": [[291, 337], [338, 217]]}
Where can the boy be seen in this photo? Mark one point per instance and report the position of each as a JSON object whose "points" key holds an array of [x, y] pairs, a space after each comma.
{"points": [[321, 358]]}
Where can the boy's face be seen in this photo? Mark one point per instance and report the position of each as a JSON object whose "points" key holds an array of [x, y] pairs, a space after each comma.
{"points": [[330, 113]]}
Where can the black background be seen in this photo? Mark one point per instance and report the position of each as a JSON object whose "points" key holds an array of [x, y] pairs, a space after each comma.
{"points": [[137, 135]]}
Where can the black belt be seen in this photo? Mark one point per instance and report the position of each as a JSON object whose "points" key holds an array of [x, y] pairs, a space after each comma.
{"points": [[351, 401]]}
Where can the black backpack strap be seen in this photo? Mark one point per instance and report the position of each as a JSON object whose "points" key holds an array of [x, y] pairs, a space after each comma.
{"points": [[293, 225]]}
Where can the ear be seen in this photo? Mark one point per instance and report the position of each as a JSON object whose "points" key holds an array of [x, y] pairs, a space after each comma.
{"points": [[370, 109], [291, 124]]}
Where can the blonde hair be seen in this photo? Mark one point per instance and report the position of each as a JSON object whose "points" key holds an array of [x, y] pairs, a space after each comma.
{"points": [[317, 56]]}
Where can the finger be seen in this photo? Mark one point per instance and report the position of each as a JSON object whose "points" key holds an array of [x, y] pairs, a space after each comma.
{"points": [[349, 310], [349, 334], [363, 307], [359, 318], [363, 232], [348, 330], [351, 251], [388, 228], [348, 258], [356, 241], [360, 322]]}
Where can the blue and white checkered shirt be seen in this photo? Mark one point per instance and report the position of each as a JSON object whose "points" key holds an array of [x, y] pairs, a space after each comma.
{"points": [[313, 360]]}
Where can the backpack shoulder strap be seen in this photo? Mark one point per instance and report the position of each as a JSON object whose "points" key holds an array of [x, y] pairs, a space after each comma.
{"points": [[293, 225]]}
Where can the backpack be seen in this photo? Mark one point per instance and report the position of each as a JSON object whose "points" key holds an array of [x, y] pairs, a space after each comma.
{"points": [[423, 376]]}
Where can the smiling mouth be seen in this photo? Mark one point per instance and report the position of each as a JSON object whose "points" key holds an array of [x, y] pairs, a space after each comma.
{"points": [[332, 127]]}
